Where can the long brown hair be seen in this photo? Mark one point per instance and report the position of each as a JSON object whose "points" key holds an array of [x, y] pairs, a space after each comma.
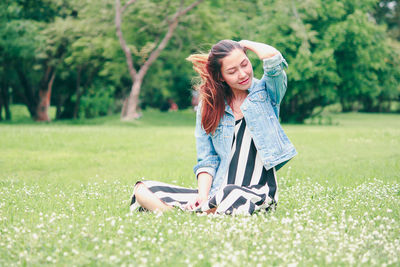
{"points": [[213, 91]]}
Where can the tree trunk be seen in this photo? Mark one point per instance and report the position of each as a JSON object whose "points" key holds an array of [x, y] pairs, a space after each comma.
{"points": [[389, 105], [59, 105], [6, 102], [4, 99], [130, 108], [42, 108], [42, 113], [124, 107], [78, 93], [1, 104], [133, 100]]}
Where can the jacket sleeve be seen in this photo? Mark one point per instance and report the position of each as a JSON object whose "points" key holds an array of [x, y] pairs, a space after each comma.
{"points": [[207, 159], [275, 78]]}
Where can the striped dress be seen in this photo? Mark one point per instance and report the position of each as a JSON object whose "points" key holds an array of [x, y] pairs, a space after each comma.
{"points": [[247, 187]]}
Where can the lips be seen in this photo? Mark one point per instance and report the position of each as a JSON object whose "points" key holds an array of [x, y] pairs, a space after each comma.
{"points": [[245, 81]]}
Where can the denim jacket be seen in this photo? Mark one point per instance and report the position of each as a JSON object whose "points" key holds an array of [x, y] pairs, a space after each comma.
{"points": [[261, 112]]}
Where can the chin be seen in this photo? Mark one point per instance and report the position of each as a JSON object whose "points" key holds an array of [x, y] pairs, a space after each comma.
{"points": [[248, 85]]}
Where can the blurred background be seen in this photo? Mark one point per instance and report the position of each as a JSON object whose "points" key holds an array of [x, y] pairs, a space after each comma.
{"points": [[69, 59]]}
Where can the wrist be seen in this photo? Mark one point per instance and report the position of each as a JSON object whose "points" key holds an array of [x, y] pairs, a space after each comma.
{"points": [[203, 195]]}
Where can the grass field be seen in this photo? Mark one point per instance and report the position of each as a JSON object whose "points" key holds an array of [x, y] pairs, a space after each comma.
{"points": [[65, 189]]}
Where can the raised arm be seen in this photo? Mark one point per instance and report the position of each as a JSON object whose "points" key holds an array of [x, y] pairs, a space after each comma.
{"points": [[274, 77], [263, 51]]}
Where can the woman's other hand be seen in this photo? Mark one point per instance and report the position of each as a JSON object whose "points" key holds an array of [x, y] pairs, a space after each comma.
{"points": [[196, 202], [263, 51], [244, 43], [204, 180]]}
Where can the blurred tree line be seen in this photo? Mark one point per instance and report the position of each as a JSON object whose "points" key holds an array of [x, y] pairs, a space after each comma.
{"points": [[67, 53]]}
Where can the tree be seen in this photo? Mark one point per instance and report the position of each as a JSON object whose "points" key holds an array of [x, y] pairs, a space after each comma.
{"points": [[335, 51], [290, 27], [387, 12], [170, 77], [67, 53], [57, 38], [18, 54], [362, 56], [129, 110], [91, 67], [21, 41]]}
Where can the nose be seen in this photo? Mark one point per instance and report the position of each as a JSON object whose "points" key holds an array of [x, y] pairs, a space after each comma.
{"points": [[242, 74]]}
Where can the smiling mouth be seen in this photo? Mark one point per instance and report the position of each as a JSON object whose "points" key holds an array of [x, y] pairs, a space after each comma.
{"points": [[245, 81]]}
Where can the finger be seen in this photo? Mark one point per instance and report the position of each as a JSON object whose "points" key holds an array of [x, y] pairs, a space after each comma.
{"points": [[190, 206], [190, 202], [195, 205]]}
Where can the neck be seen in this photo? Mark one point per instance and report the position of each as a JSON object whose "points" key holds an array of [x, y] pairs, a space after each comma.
{"points": [[237, 100], [239, 94]]}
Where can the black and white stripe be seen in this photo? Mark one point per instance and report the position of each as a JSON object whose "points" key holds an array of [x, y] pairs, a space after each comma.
{"points": [[247, 187], [245, 166], [170, 194]]}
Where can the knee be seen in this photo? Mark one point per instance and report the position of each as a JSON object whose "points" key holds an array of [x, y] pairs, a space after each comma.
{"points": [[139, 189]]}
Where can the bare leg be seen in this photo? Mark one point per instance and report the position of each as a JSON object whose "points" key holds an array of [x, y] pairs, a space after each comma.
{"points": [[148, 200]]}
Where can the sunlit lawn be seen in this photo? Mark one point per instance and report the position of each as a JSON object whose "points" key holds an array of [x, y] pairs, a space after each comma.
{"points": [[65, 189]]}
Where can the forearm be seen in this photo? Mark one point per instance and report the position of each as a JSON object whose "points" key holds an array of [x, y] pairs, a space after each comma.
{"points": [[263, 51], [204, 181]]}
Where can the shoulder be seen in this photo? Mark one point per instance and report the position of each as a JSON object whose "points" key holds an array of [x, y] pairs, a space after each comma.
{"points": [[255, 85], [255, 81]]}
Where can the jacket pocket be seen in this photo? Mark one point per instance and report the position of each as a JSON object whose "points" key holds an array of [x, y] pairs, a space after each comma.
{"points": [[260, 96]]}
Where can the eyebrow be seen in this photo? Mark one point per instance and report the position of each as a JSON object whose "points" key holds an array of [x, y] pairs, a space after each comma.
{"points": [[235, 66]]}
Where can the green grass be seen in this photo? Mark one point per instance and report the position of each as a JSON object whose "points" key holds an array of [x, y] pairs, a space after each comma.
{"points": [[65, 189]]}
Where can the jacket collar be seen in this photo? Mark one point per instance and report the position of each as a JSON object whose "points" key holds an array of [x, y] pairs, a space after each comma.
{"points": [[253, 85], [228, 109]]}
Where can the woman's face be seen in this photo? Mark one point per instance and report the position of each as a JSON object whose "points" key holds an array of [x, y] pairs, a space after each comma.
{"points": [[237, 70]]}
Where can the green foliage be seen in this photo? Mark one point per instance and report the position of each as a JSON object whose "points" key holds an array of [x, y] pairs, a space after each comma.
{"points": [[98, 101], [361, 55], [38, 10], [335, 51], [387, 12], [338, 51]]}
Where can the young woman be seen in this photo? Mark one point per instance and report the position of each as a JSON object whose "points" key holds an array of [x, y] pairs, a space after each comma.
{"points": [[240, 143]]}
